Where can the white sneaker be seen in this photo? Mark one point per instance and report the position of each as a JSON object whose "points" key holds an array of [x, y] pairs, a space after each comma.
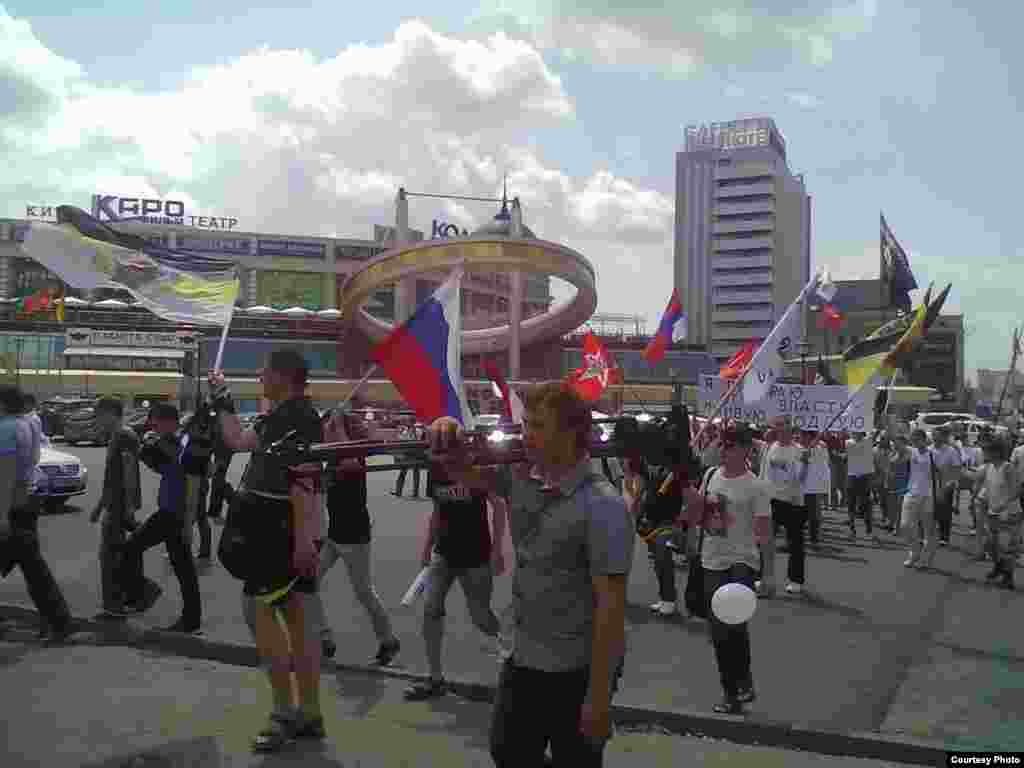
{"points": [[667, 609], [794, 588], [909, 562], [656, 607]]}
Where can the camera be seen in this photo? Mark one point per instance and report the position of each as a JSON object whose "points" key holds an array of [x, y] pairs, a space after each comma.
{"points": [[662, 441]]}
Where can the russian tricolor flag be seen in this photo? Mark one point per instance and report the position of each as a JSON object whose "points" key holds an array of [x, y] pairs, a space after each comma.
{"points": [[423, 356], [671, 328]]}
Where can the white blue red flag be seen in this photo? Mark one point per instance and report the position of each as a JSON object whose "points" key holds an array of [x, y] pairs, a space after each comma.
{"points": [[423, 356], [671, 328]]}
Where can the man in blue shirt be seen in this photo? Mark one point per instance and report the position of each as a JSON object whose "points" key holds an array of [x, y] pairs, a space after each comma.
{"points": [[19, 531], [163, 451]]}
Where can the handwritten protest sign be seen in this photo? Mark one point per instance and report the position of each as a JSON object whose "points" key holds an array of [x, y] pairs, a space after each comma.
{"points": [[811, 406]]}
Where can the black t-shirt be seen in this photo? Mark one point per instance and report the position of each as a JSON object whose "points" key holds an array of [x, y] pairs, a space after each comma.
{"points": [[463, 535], [268, 474], [348, 513], [660, 508]]}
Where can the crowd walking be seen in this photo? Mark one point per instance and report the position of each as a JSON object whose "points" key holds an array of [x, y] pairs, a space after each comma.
{"points": [[561, 641]]}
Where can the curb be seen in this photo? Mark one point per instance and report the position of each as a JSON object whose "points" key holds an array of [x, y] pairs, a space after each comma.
{"points": [[738, 730]]}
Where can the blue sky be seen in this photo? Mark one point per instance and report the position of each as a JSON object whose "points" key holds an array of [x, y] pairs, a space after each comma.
{"points": [[885, 106]]}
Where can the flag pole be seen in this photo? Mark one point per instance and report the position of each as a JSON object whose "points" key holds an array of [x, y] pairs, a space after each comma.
{"points": [[739, 379], [357, 387], [223, 338]]}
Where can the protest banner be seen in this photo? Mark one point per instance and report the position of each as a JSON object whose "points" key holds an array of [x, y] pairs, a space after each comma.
{"points": [[811, 406]]}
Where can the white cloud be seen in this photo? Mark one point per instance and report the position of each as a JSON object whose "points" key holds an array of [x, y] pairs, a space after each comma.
{"points": [[288, 143], [679, 39]]}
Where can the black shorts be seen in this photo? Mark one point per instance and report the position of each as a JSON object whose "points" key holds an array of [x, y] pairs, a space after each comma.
{"points": [[277, 579]]}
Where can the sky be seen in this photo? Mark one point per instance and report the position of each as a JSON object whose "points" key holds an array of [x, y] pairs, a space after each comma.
{"points": [[306, 121]]}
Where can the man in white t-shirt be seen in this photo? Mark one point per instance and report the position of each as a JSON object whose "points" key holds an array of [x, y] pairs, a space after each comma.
{"points": [[733, 509], [815, 485], [918, 505], [860, 472], [784, 468], [949, 468]]}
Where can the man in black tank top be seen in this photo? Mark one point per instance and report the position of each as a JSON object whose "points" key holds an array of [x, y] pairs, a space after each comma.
{"points": [[458, 548], [348, 538]]}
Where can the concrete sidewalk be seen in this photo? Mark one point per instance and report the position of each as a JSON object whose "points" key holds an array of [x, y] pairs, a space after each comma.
{"points": [[99, 705], [872, 660]]}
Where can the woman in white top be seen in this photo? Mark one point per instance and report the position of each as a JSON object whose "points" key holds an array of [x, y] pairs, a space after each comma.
{"points": [[999, 501], [733, 508], [784, 468]]}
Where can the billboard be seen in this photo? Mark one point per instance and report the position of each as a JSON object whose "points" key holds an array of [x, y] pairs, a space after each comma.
{"points": [[289, 289]]}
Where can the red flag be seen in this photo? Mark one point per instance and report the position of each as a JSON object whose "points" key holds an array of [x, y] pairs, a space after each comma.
{"points": [[596, 373], [492, 373], [830, 317], [735, 365]]}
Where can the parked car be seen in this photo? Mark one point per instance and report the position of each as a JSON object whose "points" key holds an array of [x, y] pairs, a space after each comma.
{"points": [[973, 430], [82, 426], [54, 412], [58, 477], [931, 419]]}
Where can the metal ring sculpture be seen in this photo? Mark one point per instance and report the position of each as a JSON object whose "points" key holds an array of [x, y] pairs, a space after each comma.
{"points": [[481, 254]]}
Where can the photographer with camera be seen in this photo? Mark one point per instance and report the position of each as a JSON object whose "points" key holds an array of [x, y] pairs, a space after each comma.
{"points": [[165, 450], [573, 541]]}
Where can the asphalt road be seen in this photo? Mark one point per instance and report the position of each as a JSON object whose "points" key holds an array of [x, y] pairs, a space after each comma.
{"points": [[870, 647]]}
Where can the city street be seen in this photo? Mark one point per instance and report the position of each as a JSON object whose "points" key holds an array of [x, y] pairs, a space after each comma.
{"points": [[871, 647]]}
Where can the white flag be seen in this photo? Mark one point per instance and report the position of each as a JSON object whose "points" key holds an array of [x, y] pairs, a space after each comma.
{"points": [[679, 329], [767, 365], [826, 288]]}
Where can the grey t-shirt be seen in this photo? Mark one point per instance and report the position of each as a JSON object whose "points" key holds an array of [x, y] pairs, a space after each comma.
{"points": [[562, 536]]}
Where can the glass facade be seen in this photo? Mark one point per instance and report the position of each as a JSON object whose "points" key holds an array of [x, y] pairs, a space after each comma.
{"points": [[250, 355], [31, 351]]}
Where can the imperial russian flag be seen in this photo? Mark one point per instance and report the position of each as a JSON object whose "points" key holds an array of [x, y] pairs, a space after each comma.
{"points": [[671, 328], [423, 356]]}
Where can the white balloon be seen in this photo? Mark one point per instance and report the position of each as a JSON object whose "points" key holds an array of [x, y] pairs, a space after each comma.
{"points": [[734, 603]]}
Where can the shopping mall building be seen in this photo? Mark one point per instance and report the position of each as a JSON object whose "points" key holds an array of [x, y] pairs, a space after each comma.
{"points": [[291, 286]]}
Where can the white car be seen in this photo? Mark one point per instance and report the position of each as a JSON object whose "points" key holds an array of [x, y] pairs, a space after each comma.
{"points": [[58, 477]]}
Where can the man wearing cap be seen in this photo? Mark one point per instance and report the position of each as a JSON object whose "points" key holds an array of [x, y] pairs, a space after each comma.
{"points": [[785, 469]]}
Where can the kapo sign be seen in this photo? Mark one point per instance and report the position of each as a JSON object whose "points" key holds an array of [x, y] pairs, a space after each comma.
{"points": [[154, 211]]}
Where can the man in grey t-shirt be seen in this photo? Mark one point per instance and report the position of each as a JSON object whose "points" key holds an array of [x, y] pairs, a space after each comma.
{"points": [[573, 539]]}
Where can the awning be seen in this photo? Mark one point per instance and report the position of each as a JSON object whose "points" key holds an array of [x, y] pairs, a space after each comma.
{"points": [[173, 354]]}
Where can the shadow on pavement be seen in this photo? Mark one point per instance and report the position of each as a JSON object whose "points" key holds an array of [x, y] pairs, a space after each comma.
{"points": [[307, 755], [203, 752], [14, 647], [364, 692], [470, 721], [638, 614]]}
